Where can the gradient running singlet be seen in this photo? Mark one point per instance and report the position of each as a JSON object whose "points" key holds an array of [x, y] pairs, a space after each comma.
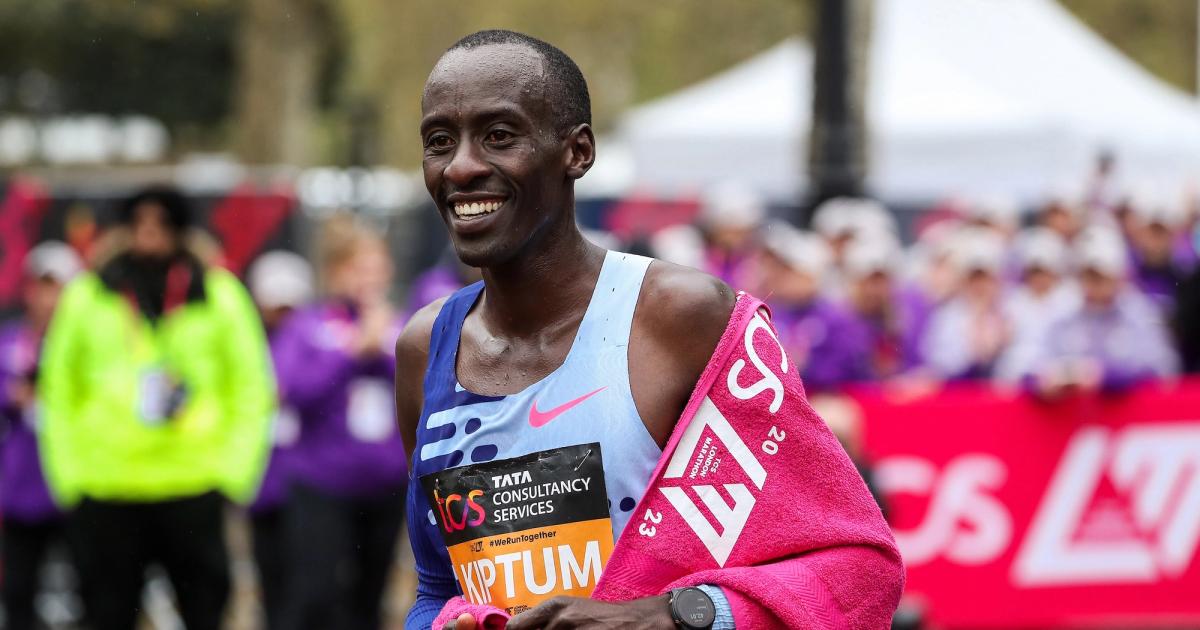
{"points": [[585, 401]]}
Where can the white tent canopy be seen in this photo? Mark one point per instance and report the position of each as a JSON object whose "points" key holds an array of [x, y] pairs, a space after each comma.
{"points": [[965, 97]]}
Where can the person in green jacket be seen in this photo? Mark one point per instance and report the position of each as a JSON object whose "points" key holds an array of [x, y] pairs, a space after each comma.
{"points": [[157, 397]]}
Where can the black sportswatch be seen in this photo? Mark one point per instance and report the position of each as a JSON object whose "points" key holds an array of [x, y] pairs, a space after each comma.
{"points": [[692, 609]]}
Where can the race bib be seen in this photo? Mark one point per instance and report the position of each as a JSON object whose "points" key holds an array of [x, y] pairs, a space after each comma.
{"points": [[156, 397], [523, 530], [370, 416], [286, 429], [32, 416]]}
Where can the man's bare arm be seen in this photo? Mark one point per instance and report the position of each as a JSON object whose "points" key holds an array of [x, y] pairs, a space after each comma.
{"points": [[680, 318], [412, 357]]}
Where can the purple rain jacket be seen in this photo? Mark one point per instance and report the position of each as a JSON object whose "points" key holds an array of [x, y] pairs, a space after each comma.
{"points": [[1130, 340], [23, 493], [817, 338], [892, 347], [348, 443], [285, 428]]}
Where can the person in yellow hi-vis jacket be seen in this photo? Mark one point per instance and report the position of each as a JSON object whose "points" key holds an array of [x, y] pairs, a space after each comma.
{"points": [[157, 395]]}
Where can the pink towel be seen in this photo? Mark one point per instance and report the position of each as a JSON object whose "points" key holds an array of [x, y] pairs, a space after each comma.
{"points": [[486, 617], [755, 495]]}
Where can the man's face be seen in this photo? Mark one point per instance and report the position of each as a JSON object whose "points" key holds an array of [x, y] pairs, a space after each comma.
{"points": [[41, 296], [1061, 221], [494, 162], [365, 277], [981, 287], [1154, 241], [152, 237], [788, 285], [1040, 281], [1099, 289], [873, 293]]}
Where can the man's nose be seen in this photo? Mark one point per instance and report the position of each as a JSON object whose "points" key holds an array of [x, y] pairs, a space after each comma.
{"points": [[467, 165]]}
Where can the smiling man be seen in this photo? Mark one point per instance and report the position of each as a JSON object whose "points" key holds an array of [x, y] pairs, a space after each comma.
{"points": [[536, 404]]}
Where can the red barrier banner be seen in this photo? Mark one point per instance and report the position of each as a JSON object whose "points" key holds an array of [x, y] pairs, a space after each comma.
{"points": [[1015, 513]]}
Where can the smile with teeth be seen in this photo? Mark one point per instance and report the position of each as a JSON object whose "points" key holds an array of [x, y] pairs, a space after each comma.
{"points": [[477, 208]]}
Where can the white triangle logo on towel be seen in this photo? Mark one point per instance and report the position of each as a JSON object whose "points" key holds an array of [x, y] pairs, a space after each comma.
{"points": [[689, 459]]}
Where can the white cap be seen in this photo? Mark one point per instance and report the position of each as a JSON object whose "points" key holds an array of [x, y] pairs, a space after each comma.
{"points": [[1102, 249], [280, 278], [997, 210], [1066, 196], [978, 249], [53, 259], [730, 204], [800, 250], [1154, 206], [855, 216], [871, 254], [1041, 248], [679, 244]]}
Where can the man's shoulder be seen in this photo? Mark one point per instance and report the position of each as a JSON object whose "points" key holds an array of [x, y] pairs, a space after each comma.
{"points": [[412, 346], [685, 305]]}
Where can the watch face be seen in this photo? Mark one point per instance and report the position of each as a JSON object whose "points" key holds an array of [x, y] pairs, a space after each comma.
{"points": [[694, 608]]}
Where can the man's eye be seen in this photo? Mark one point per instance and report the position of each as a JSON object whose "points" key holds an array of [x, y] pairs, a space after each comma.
{"points": [[439, 141], [498, 135]]}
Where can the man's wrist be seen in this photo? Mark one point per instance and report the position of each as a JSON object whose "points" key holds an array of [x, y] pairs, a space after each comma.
{"points": [[659, 612]]}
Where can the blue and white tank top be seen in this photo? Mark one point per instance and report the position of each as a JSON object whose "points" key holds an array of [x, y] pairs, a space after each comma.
{"points": [[585, 400]]}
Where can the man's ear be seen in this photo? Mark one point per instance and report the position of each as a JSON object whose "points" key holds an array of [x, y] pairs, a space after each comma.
{"points": [[581, 150]]}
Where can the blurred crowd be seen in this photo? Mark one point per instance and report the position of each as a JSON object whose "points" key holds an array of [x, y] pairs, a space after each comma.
{"points": [[143, 389], [1086, 292]]}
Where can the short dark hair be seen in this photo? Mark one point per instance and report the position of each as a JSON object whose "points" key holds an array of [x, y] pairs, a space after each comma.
{"points": [[566, 88], [176, 207]]}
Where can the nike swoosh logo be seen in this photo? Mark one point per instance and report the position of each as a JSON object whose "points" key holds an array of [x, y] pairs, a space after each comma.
{"points": [[538, 419]]}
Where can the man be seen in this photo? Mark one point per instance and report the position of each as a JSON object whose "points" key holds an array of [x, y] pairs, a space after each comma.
{"points": [[564, 352], [280, 282], [1113, 339], [812, 329], [347, 470], [1161, 258], [32, 523], [157, 393], [969, 332], [885, 318], [1045, 293]]}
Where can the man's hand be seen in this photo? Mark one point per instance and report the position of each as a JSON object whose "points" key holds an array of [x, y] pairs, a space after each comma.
{"points": [[375, 321], [568, 613], [464, 622], [20, 393]]}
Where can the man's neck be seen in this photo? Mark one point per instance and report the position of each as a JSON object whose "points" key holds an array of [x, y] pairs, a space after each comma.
{"points": [[548, 286], [37, 324]]}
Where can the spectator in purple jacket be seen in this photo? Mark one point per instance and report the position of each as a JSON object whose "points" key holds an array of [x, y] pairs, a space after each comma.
{"points": [[1045, 294], [32, 522], [1116, 338], [280, 282], [884, 317], [1160, 260], [730, 218], [968, 333], [812, 329], [348, 468], [844, 221], [1062, 213]]}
